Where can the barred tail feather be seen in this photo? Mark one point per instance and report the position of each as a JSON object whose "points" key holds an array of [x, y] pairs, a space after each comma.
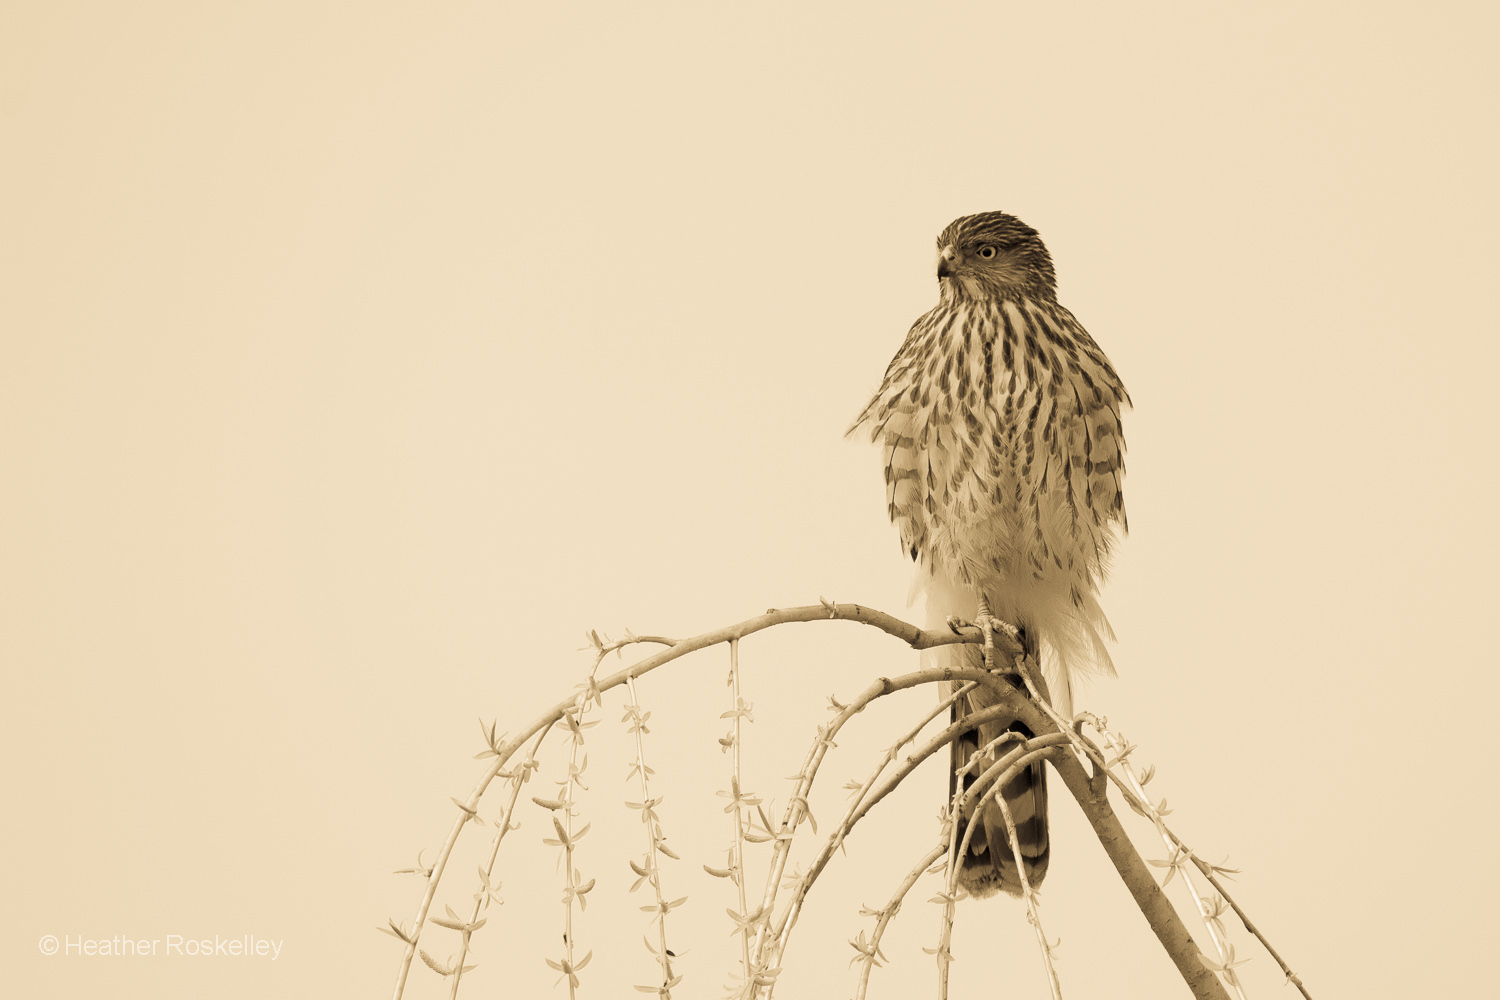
{"points": [[988, 865]]}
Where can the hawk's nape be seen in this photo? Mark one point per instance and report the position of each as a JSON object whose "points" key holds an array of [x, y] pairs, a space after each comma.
{"points": [[999, 425]]}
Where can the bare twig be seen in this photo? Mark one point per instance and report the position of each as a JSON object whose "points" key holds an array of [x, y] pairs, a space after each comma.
{"points": [[654, 842], [567, 839], [796, 810], [1208, 873], [1027, 891], [486, 892], [988, 787], [736, 805], [882, 687], [887, 913], [1120, 762]]}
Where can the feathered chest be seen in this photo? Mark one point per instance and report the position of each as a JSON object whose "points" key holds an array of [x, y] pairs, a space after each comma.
{"points": [[1000, 425]]}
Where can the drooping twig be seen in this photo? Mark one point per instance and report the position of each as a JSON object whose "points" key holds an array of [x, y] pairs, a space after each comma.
{"points": [[950, 895], [655, 844], [859, 803], [487, 890], [738, 800], [884, 916], [780, 935], [567, 839], [1208, 873], [797, 810], [988, 787], [1027, 892]]}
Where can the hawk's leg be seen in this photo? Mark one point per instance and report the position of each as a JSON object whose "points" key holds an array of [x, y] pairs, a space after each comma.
{"points": [[1023, 672], [987, 623]]}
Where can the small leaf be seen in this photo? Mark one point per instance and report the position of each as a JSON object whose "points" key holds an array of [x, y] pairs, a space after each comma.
{"points": [[395, 930]]}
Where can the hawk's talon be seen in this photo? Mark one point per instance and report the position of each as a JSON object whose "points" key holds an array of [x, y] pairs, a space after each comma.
{"points": [[999, 625], [988, 623], [956, 624]]}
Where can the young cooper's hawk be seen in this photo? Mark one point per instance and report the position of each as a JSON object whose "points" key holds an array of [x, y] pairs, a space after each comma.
{"points": [[999, 421]]}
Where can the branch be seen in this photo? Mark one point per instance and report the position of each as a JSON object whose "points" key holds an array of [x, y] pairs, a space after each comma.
{"points": [[911, 635], [1092, 796], [781, 933]]}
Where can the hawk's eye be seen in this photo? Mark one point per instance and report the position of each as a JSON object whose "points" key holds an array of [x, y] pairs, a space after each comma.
{"points": [[986, 252]]}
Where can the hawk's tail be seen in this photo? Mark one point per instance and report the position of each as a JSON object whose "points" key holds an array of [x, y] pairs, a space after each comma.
{"points": [[989, 864]]}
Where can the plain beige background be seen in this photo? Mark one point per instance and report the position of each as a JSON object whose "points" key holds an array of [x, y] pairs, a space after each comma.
{"points": [[358, 356]]}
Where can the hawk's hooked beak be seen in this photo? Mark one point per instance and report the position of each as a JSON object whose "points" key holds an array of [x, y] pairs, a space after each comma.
{"points": [[946, 262]]}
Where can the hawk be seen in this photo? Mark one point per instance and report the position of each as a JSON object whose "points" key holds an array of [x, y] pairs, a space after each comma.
{"points": [[999, 425]]}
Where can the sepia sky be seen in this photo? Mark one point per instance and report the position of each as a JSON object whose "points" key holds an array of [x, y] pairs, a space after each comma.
{"points": [[356, 358]]}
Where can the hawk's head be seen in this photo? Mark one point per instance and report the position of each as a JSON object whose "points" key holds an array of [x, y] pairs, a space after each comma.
{"points": [[993, 254]]}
